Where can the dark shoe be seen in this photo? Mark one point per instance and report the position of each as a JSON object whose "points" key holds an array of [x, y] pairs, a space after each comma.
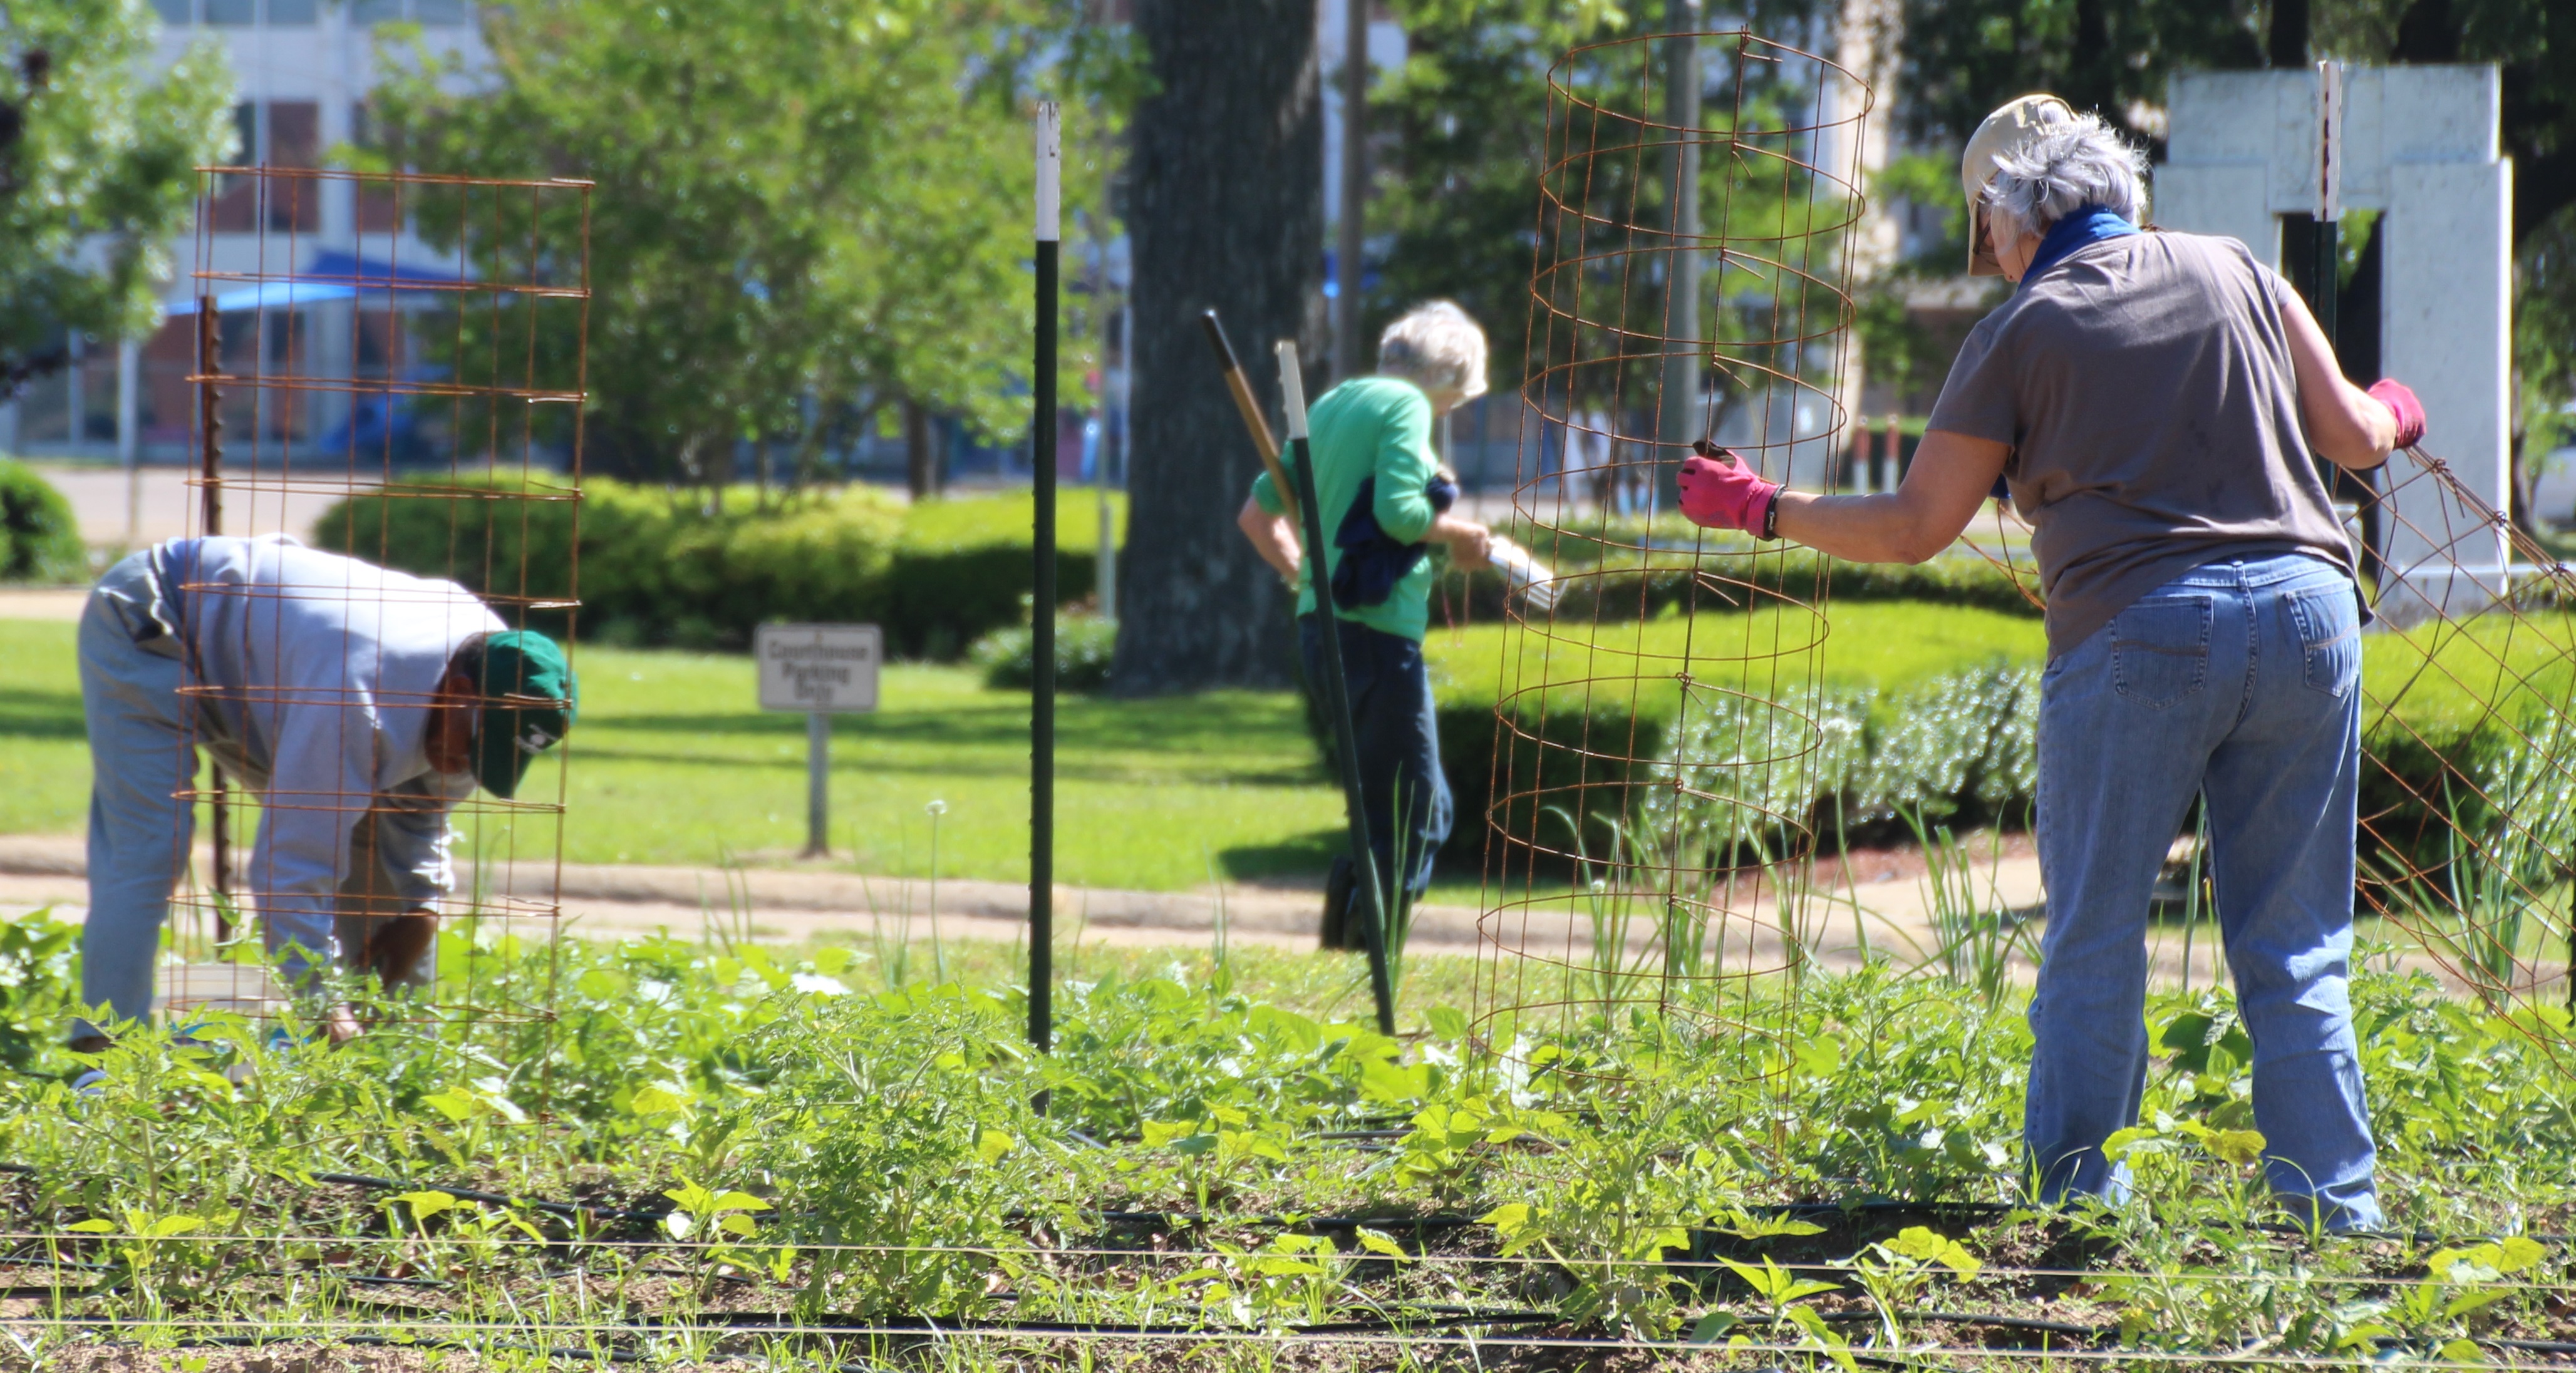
{"points": [[1339, 888]]}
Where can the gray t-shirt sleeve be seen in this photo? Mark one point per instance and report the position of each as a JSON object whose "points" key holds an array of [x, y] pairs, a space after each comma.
{"points": [[1980, 399]]}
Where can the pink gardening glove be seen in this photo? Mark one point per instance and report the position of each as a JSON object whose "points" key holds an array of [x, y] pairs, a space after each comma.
{"points": [[1725, 494], [2401, 402]]}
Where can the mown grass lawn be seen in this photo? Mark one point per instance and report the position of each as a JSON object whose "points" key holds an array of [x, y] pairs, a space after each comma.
{"points": [[673, 763]]}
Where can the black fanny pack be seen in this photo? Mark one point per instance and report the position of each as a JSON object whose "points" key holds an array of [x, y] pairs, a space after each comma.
{"points": [[1372, 562]]}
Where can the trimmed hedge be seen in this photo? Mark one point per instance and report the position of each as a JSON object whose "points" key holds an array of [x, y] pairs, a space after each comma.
{"points": [[39, 536], [1083, 646], [1633, 587], [662, 567]]}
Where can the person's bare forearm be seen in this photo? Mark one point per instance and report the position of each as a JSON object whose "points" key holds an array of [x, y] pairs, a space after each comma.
{"points": [[1470, 544], [1271, 537], [2345, 424], [1947, 481], [1860, 529]]}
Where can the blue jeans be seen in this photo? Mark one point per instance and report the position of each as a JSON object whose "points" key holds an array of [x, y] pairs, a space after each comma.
{"points": [[2239, 682], [1403, 793]]}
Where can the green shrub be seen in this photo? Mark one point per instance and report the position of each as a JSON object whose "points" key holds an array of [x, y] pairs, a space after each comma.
{"points": [[39, 537], [1083, 645], [660, 567], [1627, 585]]}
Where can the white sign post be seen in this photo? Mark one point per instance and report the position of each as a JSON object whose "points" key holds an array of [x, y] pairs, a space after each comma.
{"points": [[821, 670]]}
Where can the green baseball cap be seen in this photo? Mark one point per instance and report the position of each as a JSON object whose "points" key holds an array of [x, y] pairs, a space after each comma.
{"points": [[530, 699]]}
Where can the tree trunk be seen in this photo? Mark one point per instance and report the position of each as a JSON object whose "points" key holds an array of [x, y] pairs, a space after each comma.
{"points": [[1226, 212], [920, 460]]}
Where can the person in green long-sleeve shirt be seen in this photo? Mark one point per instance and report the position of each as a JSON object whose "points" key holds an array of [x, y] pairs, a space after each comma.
{"points": [[1383, 494]]}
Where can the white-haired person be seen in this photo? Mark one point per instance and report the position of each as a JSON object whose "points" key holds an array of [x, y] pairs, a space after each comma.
{"points": [[2151, 399], [1387, 501]]}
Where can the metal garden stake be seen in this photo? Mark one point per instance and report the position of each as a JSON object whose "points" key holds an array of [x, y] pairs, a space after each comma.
{"points": [[1042, 607], [1337, 696]]}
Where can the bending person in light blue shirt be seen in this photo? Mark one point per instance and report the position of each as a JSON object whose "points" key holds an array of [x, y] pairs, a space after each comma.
{"points": [[360, 705]]}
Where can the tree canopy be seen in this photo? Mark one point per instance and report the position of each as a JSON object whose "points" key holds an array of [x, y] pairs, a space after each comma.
{"points": [[97, 172], [802, 211]]}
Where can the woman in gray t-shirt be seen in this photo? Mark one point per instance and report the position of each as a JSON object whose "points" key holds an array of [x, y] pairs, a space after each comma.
{"points": [[2151, 400]]}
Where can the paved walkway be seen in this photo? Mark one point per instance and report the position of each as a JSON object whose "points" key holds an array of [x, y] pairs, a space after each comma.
{"points": [[797, 906], [791, 905]]}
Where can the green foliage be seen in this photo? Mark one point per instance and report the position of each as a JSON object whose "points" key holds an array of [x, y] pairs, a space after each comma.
{"points": [[1962, 58], [36, 979], [685, 568], [805, 1129], [801, 211], [2544, 338], [1468, 117], [1470, 114], [97, 172], [1083, 645], [39, 536]]}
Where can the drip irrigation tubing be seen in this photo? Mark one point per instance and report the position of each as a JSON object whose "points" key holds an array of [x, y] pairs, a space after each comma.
{"points": [[754, 1324], [1964, 1210]]}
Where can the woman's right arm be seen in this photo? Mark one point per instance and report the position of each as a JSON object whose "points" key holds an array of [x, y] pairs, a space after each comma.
{"points": [[2346, 424], [1948, 480], [1271, 537]]}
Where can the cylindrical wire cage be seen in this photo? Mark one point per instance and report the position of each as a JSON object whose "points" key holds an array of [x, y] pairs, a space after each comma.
{"points": [[387, 368], [1657, 728], [2468, 785]]}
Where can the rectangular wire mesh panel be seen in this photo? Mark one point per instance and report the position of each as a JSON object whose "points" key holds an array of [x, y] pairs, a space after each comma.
{"points": [[387, 370]]}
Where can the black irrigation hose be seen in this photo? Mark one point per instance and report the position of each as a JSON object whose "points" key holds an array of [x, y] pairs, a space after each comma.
{"points": [[932, 1325]]}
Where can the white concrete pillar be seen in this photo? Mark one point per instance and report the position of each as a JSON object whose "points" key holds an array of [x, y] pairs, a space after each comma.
{"points": [[2445, 327]]}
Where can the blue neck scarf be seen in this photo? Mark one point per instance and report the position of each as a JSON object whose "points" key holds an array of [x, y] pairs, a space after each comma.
{"points": [[2089, 224]]}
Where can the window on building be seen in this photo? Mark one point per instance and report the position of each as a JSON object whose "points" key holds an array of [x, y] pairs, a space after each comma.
{"points": [[232, 11], [294, 140], [235, 209], [291, 12], [379, 208], [427, 13], [294, 134], [98, 393], [175, 11], [280, 133], [47, 405]]}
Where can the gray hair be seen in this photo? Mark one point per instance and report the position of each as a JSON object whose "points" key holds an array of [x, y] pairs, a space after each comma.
{"points": [[1437, 347], [2060, 169]]}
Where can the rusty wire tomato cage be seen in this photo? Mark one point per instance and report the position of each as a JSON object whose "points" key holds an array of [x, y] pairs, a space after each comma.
{"points": [[2468, 785], [1644, 854], [390, 366]]}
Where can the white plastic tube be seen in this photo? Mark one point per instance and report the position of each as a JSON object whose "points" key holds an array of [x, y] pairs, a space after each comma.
{"points": [[1050, 172]]}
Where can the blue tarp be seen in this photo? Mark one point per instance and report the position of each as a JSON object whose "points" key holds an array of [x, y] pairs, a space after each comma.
{"points": [[327, 279]]}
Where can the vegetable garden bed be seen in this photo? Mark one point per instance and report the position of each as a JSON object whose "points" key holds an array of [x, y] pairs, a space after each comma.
{"points": [[732, 1155]]}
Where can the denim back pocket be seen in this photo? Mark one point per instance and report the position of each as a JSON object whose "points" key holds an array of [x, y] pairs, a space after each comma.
{"points": [[2328, 624], [2160, 650]]}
